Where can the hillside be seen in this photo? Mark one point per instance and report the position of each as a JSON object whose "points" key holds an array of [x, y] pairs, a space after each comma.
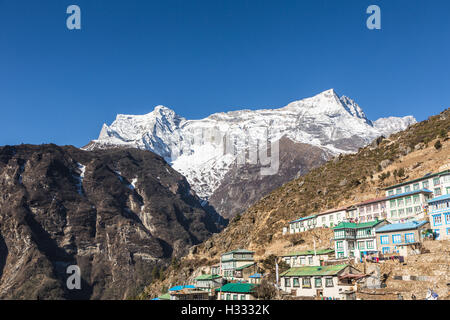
{"points": [[342, 181], [117, 214]]}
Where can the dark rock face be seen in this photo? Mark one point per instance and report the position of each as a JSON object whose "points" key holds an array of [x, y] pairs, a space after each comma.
{"points": [[243, 186], [115, 213]]}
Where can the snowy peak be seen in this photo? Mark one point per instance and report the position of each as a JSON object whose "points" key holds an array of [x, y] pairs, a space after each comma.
{"points": [[200, 149]]}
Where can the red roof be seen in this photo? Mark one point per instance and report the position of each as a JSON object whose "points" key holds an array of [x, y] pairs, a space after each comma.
{"points": [[371, 201]]}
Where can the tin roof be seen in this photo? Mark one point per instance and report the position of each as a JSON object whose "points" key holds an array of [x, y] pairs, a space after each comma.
{"points": [[401, 226], [238, 287], [245, 266], [404, 194], [309, 252], [207, 277], [443, 197], [353, 225], [314, 271], [427, 176]]}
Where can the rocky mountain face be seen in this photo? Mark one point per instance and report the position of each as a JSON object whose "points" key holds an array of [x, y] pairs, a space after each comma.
{"points": [[207, 151], [245, 185], [115, 213]]}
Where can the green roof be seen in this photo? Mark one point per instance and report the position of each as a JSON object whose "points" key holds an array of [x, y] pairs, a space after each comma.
{"points": [[239, 251], [352, 225], [309, 252], [208, 277], [238, 287], [314, 271], [165, 296], [418, 179], [245, 266]]}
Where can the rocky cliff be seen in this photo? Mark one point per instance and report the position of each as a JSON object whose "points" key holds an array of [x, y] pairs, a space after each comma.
{"points": [[117, 214]]}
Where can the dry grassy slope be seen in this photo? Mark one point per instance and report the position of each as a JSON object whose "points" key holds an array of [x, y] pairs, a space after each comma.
{"points": [[342, 181]]}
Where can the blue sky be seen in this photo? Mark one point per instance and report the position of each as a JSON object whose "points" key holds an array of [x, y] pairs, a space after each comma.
{"points": [[199, 57]]}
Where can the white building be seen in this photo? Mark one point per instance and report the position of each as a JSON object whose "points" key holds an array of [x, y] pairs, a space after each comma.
{"points": [[439, 216], [302, 224], [437, 183], [408, 206], [331, 218], [232, 263], [308, 257], [371, 210], [334, 281]]}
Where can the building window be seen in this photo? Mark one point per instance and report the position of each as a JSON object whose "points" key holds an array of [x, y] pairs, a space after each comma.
{"points": [[310, 260], [408, 201], [396, 238], [436, 181], [437, 220], [409, 210], [228, 296], [361, 245], [416, 199], [392, 203], [302, 260], [437, 192], [242, 296], [340, 254], [390, 192], [398, 190], [417, 209], [369, 244], [400, 202], [295, 283], [409, 237], [447, 218], [385, 250], [306, 283], [393, 213], [416, 186], [407, 189], [384, 239], [329, 282], [235, 297], [318, 282], [287, 282], [401, 212], [425, 184]]}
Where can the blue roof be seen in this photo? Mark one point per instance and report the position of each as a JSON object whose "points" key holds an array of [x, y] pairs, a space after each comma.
{"points": [[303, 218], [256, 275], [401, 226], [444, 197], [408, 193], [178, 288]]}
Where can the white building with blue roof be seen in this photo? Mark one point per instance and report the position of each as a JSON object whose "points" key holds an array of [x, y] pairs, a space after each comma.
{"points": [[439, 215], [401, 238], [408, 206]]}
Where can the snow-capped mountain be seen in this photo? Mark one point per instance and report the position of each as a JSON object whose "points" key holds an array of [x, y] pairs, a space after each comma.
{"points": [[204, 150]]}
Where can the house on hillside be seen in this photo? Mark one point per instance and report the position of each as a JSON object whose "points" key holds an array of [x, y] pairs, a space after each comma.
{"points": [[371, 210], [437, 183], [236, 291], [331, 218], [356, 239], [256, 278], [439, 216], [401, 238], [237, 264], [190, 294], [323, 282], [208, 282], [301, 225], [308, 257], [408, 206]]}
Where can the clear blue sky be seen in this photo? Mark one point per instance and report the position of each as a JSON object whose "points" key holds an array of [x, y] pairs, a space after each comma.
{"points": [[199, 57]]}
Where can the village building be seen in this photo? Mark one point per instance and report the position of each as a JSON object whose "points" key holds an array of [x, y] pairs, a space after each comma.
{"points": [[437, 183], [439, 216], [165, 296], [208, 282], [256, 278], [301, 225], [401, 238], [308, 257], [356, 239], [190, 294], [236, 264], [408, 206], [236, 291], [331, 218], [370, 210], [215, 269], [333, 281]]}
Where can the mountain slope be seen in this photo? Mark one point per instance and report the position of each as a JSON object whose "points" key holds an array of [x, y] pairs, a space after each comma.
{"points": [[344, 180], [117, 214], [205, 150]]}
